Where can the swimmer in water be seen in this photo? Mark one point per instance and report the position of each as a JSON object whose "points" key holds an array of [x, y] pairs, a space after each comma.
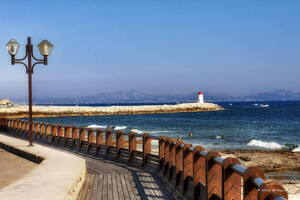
{"points": [[190, 134]]}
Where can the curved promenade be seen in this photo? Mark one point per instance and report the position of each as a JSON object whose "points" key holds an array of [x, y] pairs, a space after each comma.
{"points": [[189, 170]]}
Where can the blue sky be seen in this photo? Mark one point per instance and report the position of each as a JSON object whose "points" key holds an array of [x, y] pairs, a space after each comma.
{"points": [[159, 47]]}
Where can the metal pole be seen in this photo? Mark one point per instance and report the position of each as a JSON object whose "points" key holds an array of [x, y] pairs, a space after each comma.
{"points": [[29, 51]]}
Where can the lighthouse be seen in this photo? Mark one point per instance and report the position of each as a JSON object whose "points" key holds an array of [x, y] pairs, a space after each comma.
{"points": [[200, 97]]}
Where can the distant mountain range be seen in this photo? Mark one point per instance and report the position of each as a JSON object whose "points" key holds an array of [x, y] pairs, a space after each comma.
{"points": [[133, 96]]}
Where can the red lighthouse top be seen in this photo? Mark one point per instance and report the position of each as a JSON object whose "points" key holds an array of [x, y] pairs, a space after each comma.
{"points": [[200, 93]]}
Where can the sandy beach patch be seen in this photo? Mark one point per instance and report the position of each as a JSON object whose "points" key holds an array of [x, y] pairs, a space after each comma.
{"points": [[13, 167]]}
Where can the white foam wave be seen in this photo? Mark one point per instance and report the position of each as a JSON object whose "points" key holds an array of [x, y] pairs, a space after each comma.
{"points": [[158, 132], [296, 149], [137, 131], [268, 145], [151, 132], [96, 126], [120, 127]]}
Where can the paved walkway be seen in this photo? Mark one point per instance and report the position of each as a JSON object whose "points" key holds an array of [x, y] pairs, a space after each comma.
{"points": [[113, 181], [13, 167], [109, 179], [58, 177]]}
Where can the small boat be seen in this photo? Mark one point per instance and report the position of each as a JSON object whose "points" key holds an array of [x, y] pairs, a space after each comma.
{"points": [[264, 105]]}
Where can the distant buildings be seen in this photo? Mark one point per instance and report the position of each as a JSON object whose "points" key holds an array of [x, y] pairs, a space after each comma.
{"points": [[5, 102]]}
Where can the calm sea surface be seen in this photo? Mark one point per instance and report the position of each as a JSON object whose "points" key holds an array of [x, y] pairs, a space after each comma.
{"points": [[267, 125]]}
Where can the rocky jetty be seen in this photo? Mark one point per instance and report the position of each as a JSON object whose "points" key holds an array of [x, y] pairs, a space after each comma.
{"points": [[19, 111], [5, 102]]}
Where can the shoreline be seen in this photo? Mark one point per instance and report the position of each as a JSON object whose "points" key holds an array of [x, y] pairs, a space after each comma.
{"points": [[267, 160], [21, 111], [279, 165]]}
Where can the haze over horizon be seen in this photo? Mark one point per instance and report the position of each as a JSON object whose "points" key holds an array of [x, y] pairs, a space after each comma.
{"points": [[170, 47]]}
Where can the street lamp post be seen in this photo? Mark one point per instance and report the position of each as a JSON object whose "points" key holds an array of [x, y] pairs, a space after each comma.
{"points": [[45, 48]]}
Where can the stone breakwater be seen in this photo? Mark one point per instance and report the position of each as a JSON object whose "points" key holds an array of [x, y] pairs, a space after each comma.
{"points": [[20, 111]]}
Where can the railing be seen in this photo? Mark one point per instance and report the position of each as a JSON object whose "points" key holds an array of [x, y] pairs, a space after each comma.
{"points": [[191, 170]]}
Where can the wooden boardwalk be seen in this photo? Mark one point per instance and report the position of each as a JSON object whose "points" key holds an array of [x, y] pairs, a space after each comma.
{"points": [[110, 180]]}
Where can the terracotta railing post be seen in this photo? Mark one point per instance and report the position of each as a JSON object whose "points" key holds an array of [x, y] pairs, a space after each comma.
{"points": [[99, 140], [74, 133], [2, 125], [271, 190], [132, 146], [68, 132], [33, 130], [172, 159], [38, 131], [166, 155], [55, 132], [84, 140], [108, 140], [92, 146], [119, 143], [76, 138], [24, 131], [82, 134], [232, 180], [179, 166], [199, 173], [214, 176], [69, 136], [91, 137], [15, 127], [146, 148], [61, 132], [161, 149], [11, 127], [187, 176], [49, 129], [249, 190], [19, 130], [62, 136], [20, 127], [43, 131], [8, 124], [49, 133]]}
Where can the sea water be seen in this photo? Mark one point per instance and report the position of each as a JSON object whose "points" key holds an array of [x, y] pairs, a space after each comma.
{"points": [[255, 125]]}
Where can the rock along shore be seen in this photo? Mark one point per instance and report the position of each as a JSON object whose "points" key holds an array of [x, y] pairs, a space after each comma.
{"points": [[19, 111]]}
